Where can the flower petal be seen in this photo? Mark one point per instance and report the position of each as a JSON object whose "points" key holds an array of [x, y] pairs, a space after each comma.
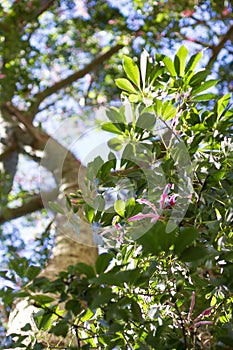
{"points": [[141, 216], [148, 203]]}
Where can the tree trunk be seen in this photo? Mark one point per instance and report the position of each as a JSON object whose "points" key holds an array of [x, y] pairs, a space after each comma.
{"points": [[74, 240]]}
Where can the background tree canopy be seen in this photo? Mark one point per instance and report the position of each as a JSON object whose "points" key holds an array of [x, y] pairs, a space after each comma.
{"points": [[60, 60]]}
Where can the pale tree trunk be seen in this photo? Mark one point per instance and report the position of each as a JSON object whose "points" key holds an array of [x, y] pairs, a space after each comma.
{"points": [[74, 240]]}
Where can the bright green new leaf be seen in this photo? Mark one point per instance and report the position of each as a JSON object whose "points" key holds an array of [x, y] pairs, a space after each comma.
{"points": [[222, 103], [168, 110], [110, 127], [158, 107], [204, 97], [125, 84], [87, 315], [135, 98], [179, 60], [119, 207], [115, 144], [169, 65], [131, 70]]}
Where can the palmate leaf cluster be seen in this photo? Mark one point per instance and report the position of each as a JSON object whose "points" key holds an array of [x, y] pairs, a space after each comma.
{"points": [[153, 287]]}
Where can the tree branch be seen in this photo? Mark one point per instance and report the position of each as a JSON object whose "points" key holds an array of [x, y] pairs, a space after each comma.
{"points": [[44, 6], [37, 135], [31, 205], [41, 96], [216, 49]]}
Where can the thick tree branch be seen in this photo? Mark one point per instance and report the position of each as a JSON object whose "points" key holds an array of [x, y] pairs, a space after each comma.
{"points": [[38, 136], [41, 96], [216, 49], [30, 206], [28, 13], [44, 6]]}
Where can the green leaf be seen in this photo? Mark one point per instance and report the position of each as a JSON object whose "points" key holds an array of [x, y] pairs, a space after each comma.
{"points": [[56, 208], [194, 253], [27, 327], [87, 315], [60, 328], [204, 86], [204, 97], [198, 78], [156, 239], [107, 278], [89, 212], [125, 84], [44, 320], [186, 236], [192, 63], [38, 346], [136, 311], [115, 144], [119, 207], [135, 98], [85, 269], [102, 296], [180, 59], [146, 121], [168, 110], [42, 299], [102, 262], [131, 70], [158, 107], [74, 306], [115, 115], [110, 127], [169, 65], [32, 271], [223, 103]]}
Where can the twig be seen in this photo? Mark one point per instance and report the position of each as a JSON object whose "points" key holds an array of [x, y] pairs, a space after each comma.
{"points": [[216, 49], [41, 96]]}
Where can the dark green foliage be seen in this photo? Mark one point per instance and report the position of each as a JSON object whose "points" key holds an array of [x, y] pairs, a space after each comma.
{"points": [[165, 281]]}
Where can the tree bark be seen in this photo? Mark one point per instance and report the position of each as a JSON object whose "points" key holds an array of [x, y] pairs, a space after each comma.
{"points": [[74, 240]]}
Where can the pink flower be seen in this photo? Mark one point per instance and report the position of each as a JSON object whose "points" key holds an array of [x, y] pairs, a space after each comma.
{"points": [[172, 200], [188, 13], [154, 215], [141, 216], [113, 21], [206, 312], [226, 11], [198, 320], [2, 76], [166, 202], [164, 196], [116, 223]]}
